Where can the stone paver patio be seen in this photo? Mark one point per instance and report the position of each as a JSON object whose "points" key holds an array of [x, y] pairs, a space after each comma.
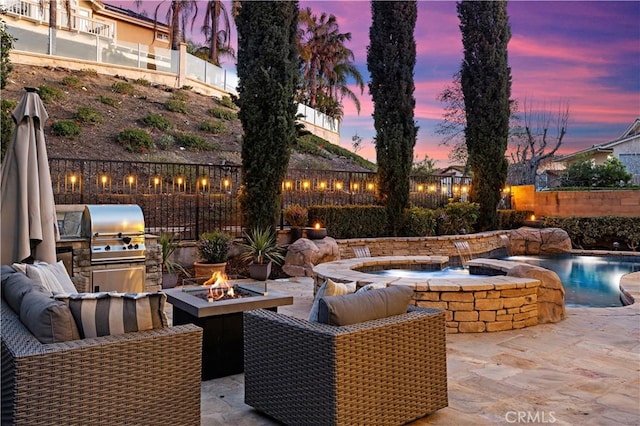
{"points": [[584, 370]]}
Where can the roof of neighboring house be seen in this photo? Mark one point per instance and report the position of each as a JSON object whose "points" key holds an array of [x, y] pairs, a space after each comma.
{"points": [[452, 171], [129, 13], [633, 132]]}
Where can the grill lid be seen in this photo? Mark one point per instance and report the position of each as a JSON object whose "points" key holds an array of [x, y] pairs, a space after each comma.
{"points": [[116, 232]]}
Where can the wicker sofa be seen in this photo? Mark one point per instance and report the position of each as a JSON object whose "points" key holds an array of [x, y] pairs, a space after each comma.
{"points": [[380, 372], [143, 378]]}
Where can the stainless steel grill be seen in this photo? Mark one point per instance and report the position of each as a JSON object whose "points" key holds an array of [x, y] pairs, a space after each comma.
{"points": [[116, 232]]}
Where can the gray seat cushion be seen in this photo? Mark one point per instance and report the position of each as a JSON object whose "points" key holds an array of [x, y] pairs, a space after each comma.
{"points": [[364, 306]]}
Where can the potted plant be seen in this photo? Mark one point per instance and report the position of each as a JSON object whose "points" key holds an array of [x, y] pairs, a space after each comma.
{"points": [[214, 252], [297, 217], [170, 269], [260, 249]]}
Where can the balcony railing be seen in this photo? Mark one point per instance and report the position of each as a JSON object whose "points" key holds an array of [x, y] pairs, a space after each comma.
{"points": [[33, 11]]}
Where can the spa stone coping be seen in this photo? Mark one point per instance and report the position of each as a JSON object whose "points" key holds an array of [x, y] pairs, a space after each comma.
{"points": [[345, 271]]}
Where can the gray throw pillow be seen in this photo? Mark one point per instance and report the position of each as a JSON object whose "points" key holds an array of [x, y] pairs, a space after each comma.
{"points": [[364, 306], [329, 288], [15, 285], [49, 320]]}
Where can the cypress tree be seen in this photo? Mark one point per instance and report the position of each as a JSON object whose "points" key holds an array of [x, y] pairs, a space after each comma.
{"points": [[268, 72], [391, 58], [486, 85]]}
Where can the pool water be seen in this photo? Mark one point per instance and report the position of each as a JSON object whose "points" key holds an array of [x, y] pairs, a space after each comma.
{"points": [[592, 281], [418, 273]]}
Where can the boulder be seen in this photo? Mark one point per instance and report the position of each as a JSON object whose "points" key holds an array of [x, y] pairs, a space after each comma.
{"points": [[304, 254], [535, 241], [550, 292]]}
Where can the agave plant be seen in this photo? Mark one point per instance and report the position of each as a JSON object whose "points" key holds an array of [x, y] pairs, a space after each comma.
{"points": [[261, 246]]}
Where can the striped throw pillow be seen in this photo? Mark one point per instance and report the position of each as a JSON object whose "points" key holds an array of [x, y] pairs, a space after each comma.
{"points": [[102, 314]]}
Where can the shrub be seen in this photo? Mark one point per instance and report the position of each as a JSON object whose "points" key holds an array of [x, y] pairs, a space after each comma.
{"points": [[180, 95], [226, 101], [65, 128], [142, 82], [6, 123], [512, 219], [109, 101], [122, 87], [157, 121], [135, 140], [214, 246], [49, 93], [214, 127], [6, 44], [165, 141], [222, 113], [175, 105], [88, 115], [88, 72], [457, 218], [71, 81], [418, 222], [296, 215], [585, 173], [598, 232], [191, 141], [350, 221]]}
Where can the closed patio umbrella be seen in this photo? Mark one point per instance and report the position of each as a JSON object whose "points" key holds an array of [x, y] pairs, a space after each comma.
{"points": [[28, 215]]}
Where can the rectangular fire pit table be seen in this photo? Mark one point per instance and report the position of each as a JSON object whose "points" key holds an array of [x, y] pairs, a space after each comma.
{"points": [[222, 324]]}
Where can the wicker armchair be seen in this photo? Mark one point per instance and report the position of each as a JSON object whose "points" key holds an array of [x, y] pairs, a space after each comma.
{"points": [[142, 378], [380, 372]]}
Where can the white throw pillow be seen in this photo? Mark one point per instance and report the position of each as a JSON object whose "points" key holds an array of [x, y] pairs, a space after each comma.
{"points": [[329, 288], [52, 276]]}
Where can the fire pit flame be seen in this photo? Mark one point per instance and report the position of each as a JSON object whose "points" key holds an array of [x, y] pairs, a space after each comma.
{"points": [[218, 287]]}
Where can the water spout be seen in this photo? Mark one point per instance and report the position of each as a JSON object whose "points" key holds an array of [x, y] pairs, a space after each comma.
{"points": [[506, 243], [464, 251]]}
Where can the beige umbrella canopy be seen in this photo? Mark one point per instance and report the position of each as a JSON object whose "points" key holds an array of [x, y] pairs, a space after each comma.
{"points": [[28, 221]]}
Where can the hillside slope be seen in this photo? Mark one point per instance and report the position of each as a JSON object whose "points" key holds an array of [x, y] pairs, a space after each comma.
{"points": [[126, 109]]}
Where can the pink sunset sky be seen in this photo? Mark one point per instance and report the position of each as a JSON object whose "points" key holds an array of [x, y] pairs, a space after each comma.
{"points": [[582, 53]]}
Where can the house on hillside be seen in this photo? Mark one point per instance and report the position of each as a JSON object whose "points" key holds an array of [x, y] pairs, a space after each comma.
{"points": [[626, 148], [88, 25]]}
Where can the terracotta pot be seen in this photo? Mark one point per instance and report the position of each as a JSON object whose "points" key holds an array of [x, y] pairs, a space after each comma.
{"points": [[207, 269], [260, 271]]}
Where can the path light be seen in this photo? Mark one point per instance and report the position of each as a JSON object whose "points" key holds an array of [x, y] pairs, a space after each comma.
{"points": [[464, 189]]}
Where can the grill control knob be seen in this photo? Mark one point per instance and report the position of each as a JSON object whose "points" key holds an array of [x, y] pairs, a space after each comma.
{"points": [[124, 247], [135, 246], [127, 240], [130, 246], [107, 248]]}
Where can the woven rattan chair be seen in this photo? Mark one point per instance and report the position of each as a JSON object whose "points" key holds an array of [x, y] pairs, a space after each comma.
{"points": [[381, 372], [141, 378]]}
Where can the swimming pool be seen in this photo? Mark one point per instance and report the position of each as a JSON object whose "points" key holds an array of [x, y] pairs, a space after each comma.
{"points": [[588, 280]]}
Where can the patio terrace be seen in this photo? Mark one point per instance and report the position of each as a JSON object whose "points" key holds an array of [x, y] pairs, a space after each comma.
{"points": [[581, 371]]}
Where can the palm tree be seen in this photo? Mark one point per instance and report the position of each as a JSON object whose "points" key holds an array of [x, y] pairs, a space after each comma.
{"points": [[53, 20], [326, 64], [178, 15], [219, 39]]}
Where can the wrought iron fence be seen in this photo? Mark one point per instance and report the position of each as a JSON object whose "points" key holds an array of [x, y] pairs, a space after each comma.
{"points": [[190, 199]]}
